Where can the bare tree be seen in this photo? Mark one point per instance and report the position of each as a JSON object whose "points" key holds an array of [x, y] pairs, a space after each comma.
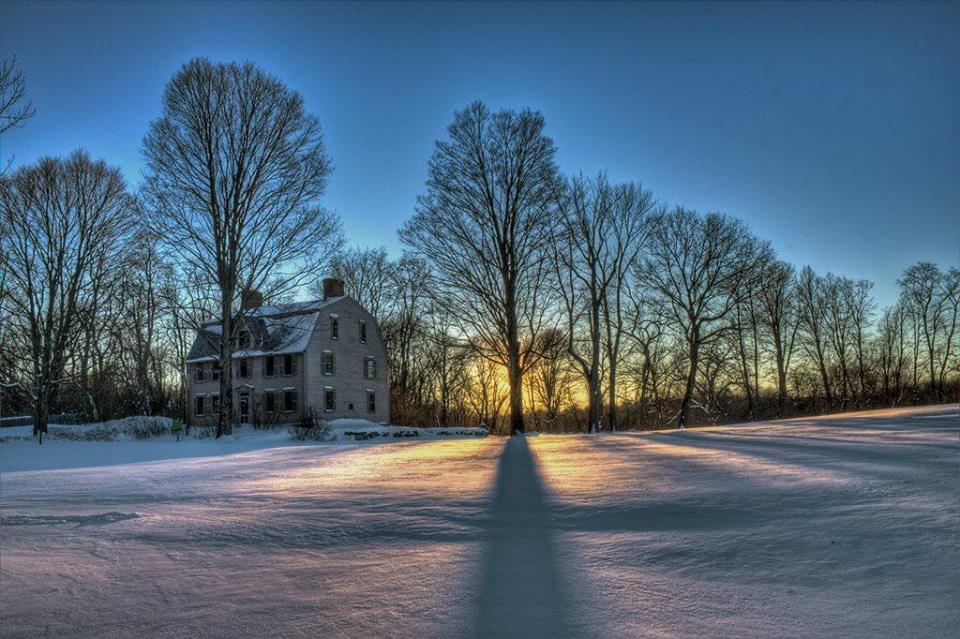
{"points": [[837, 292], [892, 352], [552, 383], [745, 320], [13, 111], [932, 298], [60, 217], [581, 250], [778, 316], [235, 169], [632, 207], [695, 263], [143, 310], [647, 330], [485, 394], [600, 235], [860, 307], [368, 275], [813, 323], [405, 333], [484, 226], [449, 361]]}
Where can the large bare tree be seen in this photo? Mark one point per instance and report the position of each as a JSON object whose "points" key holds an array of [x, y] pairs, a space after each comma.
{"points": [[484, 226], [235, 169], [63, 224], [694, 263], [601, 230]]}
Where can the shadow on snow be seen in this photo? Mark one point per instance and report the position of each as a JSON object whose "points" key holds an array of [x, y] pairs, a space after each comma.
{"points": [[522, 592]]}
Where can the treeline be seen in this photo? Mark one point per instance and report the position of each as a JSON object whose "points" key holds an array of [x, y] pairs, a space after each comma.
{"points": [[524, 299]]}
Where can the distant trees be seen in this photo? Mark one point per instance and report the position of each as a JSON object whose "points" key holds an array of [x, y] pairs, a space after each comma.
{"points": [[485, 226], [813, 325], [931, 299], [524, 300], [778, 319], [64, 224], [368, 274], [235, 167]]}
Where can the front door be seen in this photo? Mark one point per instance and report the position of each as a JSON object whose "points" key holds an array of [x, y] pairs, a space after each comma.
{"points": [[244, 409]]}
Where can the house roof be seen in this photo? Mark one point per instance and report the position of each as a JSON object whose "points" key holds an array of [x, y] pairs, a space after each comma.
{"points": [[277, 329]]}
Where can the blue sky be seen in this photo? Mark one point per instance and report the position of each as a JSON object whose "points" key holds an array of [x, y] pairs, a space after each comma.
{"points": [[832, 129]]}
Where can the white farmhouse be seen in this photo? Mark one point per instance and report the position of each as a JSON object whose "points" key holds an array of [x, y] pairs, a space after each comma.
{"points": [[324, 358]]}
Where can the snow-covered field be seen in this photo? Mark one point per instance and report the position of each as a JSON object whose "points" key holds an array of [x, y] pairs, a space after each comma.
{"points": [[19, 450], [840, 526]]}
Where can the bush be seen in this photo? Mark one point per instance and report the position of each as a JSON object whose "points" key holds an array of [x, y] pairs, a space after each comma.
{"points": [[311, 428], [203, 432], [139, 427]]}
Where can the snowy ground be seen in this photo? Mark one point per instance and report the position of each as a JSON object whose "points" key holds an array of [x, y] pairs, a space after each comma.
{"points": [[842, 526], [19, 451]]}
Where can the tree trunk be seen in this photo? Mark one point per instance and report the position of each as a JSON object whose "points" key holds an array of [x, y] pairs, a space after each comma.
{"points": [[515, 378], [781, 374], [612, 396], [41, 413], [225, 417], [823, 375], [691, 380], [594, 409]]}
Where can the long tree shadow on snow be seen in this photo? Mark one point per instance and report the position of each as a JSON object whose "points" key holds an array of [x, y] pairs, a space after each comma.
{"points": [[521, 592]]}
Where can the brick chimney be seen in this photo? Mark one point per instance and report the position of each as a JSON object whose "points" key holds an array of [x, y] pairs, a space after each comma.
{"points": [[332, 287]]}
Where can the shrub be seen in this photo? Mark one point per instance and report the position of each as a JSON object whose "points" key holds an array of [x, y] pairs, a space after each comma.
{"points": [[139, 427], [310, 428]]}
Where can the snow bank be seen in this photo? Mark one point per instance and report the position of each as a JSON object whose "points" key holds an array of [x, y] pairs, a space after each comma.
{"points": [[144, 439], [139, 427], [362, 429], [20, 452]]}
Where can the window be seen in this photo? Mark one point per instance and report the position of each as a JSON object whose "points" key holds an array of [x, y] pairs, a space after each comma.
{"points": [[289, 365], [329, 399], [215, 373], [200, 372], [289, 400], [243, 340], [334, 327], [371, 401], [269, 368], [328, 364], [369, 367], [214, 404], [269, 402], [363, 331], [198, 403], [243, 369]]}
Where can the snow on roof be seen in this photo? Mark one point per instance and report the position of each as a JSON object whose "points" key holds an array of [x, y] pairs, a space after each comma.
{"points": [[288, 309], [274, 332]]}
